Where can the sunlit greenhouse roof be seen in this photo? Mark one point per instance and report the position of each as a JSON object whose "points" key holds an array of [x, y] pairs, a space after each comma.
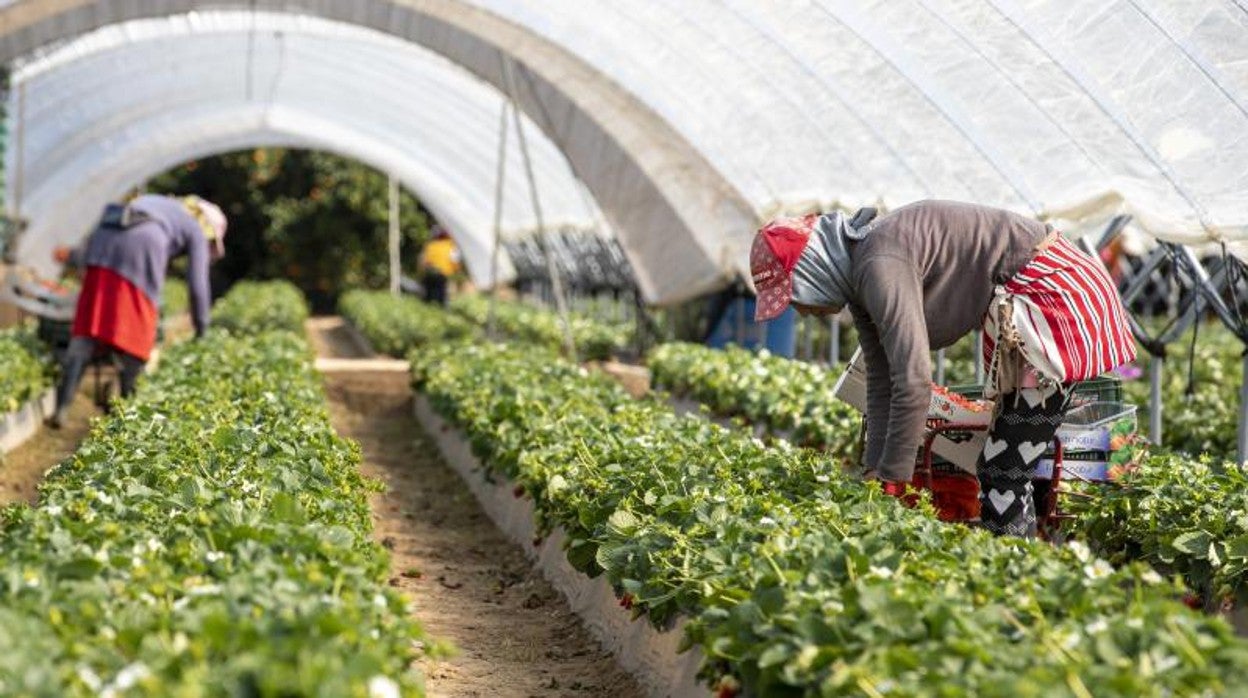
{"points": [[106, 111], [688, 121]]}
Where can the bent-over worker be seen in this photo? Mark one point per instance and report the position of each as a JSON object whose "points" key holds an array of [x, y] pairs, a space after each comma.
{"points": [[920, 278], [126, 259]]}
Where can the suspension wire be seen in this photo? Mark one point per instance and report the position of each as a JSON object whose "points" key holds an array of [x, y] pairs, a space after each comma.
{"points": [[556, 278], [498, 215], [1191, 360]]}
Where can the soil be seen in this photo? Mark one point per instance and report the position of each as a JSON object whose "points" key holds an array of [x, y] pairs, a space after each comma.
{"points": [[331, 337], [470, 586], [23, 468]]}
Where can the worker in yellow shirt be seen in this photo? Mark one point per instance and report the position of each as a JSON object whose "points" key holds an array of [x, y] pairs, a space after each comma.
{"points": [[438, 262]]}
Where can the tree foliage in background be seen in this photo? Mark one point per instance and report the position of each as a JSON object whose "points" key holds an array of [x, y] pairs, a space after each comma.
{"points": [[317, 219]]}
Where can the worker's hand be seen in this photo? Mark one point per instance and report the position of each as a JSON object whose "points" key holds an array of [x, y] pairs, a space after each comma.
{"points": [[61, 253], [893, 489], [904, 491]]}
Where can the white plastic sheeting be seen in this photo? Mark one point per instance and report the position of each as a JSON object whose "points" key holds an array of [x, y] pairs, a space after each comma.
{"points": [[121, 104], [692, 120]]}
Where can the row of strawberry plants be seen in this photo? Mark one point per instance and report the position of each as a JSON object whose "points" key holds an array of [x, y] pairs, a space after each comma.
{"points": [[210, 537], [1204, 421], [798, 580], [790, 398], [255, 306], [595, 340], [395, 324], [1184, 515], [26, 367]]}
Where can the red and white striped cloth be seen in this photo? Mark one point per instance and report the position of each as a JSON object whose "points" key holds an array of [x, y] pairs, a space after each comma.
{"points": [[1067, 316]]}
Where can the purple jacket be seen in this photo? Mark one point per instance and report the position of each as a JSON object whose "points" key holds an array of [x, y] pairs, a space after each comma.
{"points": [[142, 252]]}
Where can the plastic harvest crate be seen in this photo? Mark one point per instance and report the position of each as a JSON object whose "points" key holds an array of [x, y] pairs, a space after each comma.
{"points": [[1103, 389]]}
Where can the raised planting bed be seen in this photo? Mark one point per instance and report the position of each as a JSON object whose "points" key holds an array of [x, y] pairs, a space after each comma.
{"points": [[1184, 515], [395, 325], [794, 579], [595, 341], [257, 306], [651, 655], [27, 377], [777, 396], [210, 537], [18, 426]]}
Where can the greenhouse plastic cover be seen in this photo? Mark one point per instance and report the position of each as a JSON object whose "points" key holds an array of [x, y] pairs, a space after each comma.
{"points": [[690, 122], [107, 111]]}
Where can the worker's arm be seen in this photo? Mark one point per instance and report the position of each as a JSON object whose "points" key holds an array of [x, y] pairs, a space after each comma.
{"points": [[198, 259], [879, 386], [899, 368], [69, 256]]}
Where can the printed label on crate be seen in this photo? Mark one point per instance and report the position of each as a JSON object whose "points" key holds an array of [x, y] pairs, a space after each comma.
{"points": [[1074, 469], [1094, 426]]}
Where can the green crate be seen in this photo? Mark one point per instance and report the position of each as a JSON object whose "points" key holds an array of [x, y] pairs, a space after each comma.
{"points": [[1103, 389]]}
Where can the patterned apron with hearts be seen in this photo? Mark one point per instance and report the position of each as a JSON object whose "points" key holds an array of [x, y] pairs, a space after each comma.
{"points": [[1057, 321]]}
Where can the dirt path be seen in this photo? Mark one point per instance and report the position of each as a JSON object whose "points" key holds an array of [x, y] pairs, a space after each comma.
{"points": [[332, 338], [471, 586], [22, 469]]}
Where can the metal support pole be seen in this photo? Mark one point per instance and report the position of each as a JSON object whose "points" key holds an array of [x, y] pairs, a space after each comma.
{"points": [[740, 331], [1155, 365], [556, 279], [940, 367], [498, 218], [808, 326], [979, 357], [19, 175], [834, 350], [1243, 411], [395, 271]]}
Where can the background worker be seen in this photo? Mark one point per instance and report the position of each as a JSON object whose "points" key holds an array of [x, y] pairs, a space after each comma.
{"points": [[126, 259], [438, 262], [925, 275]]}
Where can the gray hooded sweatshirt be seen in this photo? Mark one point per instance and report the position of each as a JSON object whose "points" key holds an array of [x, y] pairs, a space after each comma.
{"points": [[915, 280]]}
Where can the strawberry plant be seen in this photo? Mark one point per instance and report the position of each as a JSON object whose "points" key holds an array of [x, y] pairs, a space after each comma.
{"points": [[255, 306], [396, 325], [175, 297], [210, 537], [1184, 515], [1167, 498], [1202, 421], [26, 367], [790, 398], [595, 341], [798, 580]]}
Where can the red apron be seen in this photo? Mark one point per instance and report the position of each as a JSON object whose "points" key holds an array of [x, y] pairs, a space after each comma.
{"points": [[114, 311]]}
